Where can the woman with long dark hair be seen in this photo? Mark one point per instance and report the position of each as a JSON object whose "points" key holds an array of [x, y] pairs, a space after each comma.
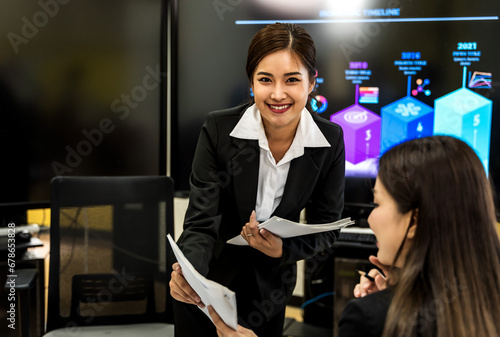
{"points": [[435, 224]]}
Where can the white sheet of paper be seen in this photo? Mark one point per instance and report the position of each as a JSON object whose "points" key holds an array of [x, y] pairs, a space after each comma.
{"points": [[222, 299], [288, 229]]}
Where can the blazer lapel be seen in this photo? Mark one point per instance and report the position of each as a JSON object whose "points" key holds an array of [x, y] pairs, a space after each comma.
{"points": [[302, 171], [246, 174]]}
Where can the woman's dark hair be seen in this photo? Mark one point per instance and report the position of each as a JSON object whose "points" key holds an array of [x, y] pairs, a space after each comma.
{"points": [[449, 284], [282, 36]]}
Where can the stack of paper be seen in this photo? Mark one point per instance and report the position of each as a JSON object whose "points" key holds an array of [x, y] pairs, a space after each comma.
{"points": [[287, 229], [211, 293]]}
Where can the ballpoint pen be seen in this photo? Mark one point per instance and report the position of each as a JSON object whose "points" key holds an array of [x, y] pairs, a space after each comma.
{"points": [[362, 273]]}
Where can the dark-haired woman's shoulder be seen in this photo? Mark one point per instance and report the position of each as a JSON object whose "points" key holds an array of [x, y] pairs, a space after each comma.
{"points": [[365, 316]]}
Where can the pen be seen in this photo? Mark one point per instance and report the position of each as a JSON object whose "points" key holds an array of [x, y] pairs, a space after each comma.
{"points": [[362, 273]]}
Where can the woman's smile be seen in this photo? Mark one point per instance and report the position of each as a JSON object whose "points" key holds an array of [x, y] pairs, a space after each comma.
{"points": [[279, 108]]}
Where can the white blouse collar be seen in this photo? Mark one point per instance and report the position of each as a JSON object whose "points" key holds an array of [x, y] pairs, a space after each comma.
{"points": [[308, 133]]}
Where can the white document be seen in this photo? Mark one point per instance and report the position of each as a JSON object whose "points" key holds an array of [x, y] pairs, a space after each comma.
{"points": [[287, 229], [211, 293]]}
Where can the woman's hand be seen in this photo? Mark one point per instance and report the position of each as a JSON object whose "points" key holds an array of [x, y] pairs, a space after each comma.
{"points": [[224, 331], [262, 240], [181, 290], [365, 286]]}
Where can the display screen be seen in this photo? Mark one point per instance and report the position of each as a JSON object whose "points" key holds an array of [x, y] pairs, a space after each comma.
{"points": [[80, 93], [388, 71]]}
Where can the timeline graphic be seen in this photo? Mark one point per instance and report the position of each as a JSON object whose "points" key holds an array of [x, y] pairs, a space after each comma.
{"points": [[462, 113], [319, 104], [407, 47], [407, 118], [421, 84], [468, 116], [361, 126]]}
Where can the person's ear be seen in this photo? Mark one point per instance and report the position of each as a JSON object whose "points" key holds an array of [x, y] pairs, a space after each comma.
{"points": [[413, 225], [411, 231], [312, 85]]}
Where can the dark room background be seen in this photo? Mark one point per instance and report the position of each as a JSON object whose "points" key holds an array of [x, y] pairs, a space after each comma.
{"points": [[80, 92]]}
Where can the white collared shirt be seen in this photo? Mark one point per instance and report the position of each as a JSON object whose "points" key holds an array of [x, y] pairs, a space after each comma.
{"points": [[272, 175]]}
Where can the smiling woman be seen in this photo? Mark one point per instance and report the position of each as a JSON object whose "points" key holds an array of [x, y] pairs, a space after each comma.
{"points": [[281, 87], [270, 157], [281, 68]]}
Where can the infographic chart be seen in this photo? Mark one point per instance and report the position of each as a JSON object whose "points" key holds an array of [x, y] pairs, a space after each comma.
{"points": [[361, 126], [403, 65], [462, 113], [387, 71], [466, 114]]}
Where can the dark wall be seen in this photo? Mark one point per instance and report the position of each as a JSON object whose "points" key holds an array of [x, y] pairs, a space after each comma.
{"points": [[79, 91]]}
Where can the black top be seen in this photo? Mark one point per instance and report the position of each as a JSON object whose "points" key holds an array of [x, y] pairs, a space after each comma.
{"points": [[365, 316]]}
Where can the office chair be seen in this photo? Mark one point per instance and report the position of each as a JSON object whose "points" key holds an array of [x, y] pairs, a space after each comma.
{"points": [[109, 264]]}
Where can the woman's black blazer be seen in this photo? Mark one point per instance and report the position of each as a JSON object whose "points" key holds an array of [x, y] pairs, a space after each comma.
{"points": [[223, 192]]}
